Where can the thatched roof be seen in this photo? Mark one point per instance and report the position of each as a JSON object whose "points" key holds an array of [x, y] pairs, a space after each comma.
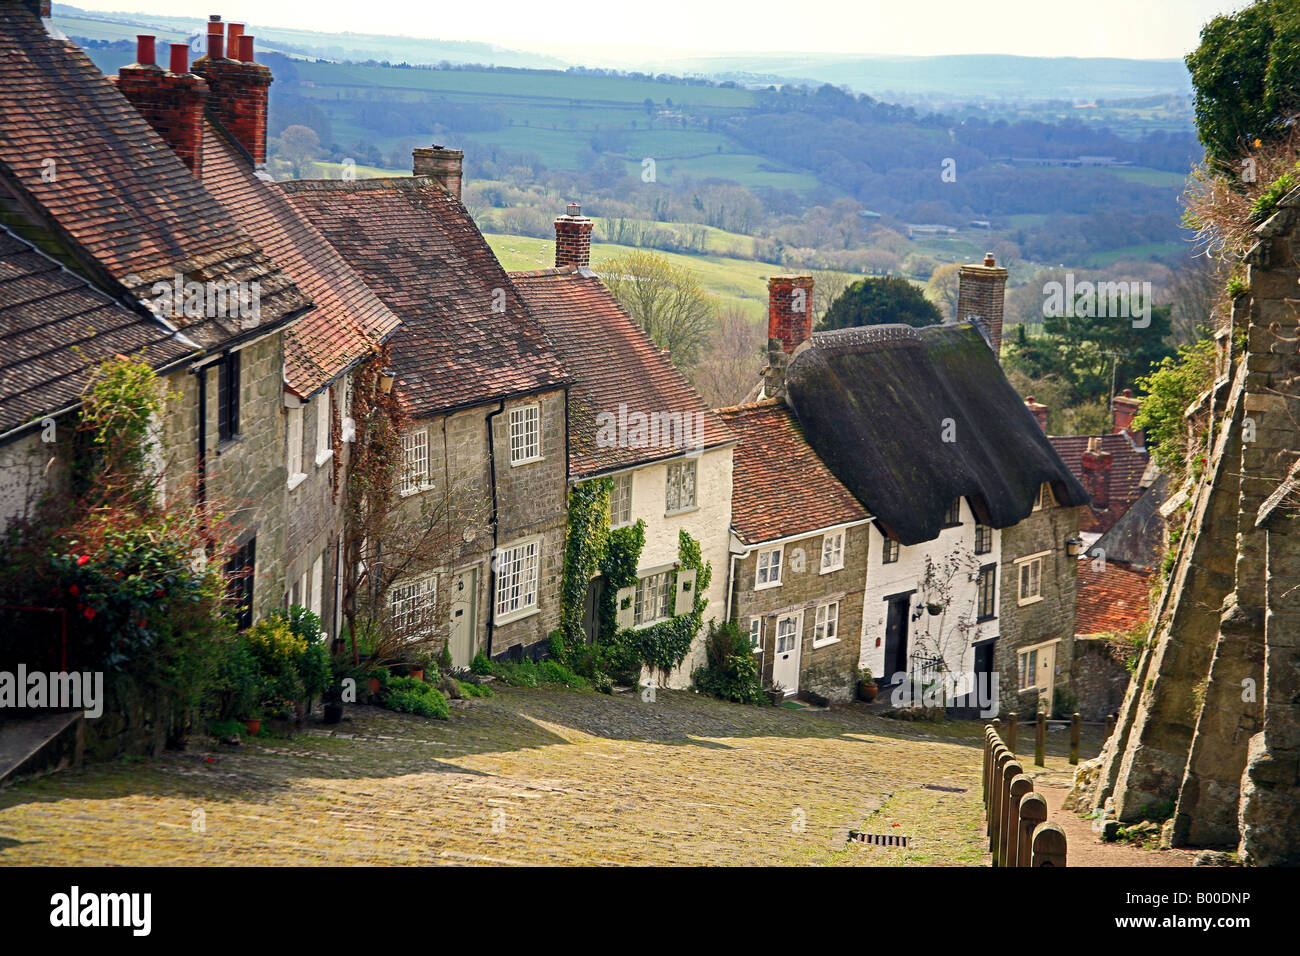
{"points": [[877, 404]]}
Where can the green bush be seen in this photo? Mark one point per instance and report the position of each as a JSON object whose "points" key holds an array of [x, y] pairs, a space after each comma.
{"points": [[481, 664], [406, 695], [240, 687], [474, 690], [731, 669]]}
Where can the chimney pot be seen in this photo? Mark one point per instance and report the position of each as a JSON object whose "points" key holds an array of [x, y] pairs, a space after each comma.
{"points": [[789, 310], [233, 30], [246, 47], [989, 261], [217, 45], [1096, 473], [238, 97], [1039, 412], [180, 58], [144, 50]]}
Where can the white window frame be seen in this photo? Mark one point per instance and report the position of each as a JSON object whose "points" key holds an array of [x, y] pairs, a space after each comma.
{"points": [[519, 569], [324, 419], [796, 619], [836, 554], [763, 577], [1027, 672], [614, 520], [1024, 566], [1045, 497], [415, 449], [407, 600], [756, 634], [657, 585], [826, 626], [890, 544], [295, 440], [317, 592], [675, 468], [525, 434]]}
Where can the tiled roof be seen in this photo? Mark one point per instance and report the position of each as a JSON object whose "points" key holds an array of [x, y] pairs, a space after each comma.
{"points": [[117, 190], [1114, 599], [779, 485], [618, 371], [55, 327], [1128, 463], [466, 338], [348, 319]]}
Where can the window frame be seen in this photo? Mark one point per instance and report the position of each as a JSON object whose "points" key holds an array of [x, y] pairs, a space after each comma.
{"points": [[952, 517], [665, 593], [528, 419], [408, 487], [826, 621], [527, 576], [229, 386], [983, 532], [759, 569], [891, 551], [241, 571], [294, 466], [1023, 566], [681, 465], [614, 521], [987, 572], [324, 437], [833, 536], [425, 599], [756, 634], [1027, 674]]}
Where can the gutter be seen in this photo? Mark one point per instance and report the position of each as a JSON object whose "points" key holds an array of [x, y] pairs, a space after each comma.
{"points": [[492, 565]]}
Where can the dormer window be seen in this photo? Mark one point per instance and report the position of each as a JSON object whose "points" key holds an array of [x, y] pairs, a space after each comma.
{"points": [[952, 518]]}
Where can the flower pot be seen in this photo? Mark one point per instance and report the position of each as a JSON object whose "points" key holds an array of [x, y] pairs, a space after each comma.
{"points": [[253, 726], [417, 673], [334, 713], [934, 609], [867, 691], [374, 685]]}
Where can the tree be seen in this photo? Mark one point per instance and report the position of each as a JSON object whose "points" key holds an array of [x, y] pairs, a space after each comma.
{"points": [[943, 289], [730, 368], [1246, 73], [298, 146], [880, 301], [666, 300]]}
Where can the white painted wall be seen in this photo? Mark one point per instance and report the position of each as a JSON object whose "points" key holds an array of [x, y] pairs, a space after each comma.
{"points": [[709, 524], [927, 633], [24, 475]]}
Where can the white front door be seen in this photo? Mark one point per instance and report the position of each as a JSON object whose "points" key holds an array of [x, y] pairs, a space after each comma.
{"points": [[464, 601], [789, 644]]}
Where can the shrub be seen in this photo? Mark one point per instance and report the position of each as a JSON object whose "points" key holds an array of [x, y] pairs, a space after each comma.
{"points": [[474, 690], [731, 669], [481, 664], [406, 695]]}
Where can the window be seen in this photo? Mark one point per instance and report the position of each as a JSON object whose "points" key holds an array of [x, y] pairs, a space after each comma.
{"points": [[826, 630], [654, 598], [318, 586], [239, 574], [1028, 669], [1045, 499], [756, 634], [983, 538], [768, 574], [832, 551], [620, 501], [889, 554], [228, 397], [525, 434], [1031, 579], [415, 461], [952, 517], [681, 485], [517, 573], [296, 474], [988, 590], [324, 416], [787, 633], [412, 604]]}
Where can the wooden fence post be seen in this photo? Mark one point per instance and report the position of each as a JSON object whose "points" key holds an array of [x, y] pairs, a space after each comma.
{"points": [[1021, 787], [1033, 811], [1011, 731], [1049, 845], [1010, 802], [995, 809], [1075, 726], [989, 742], [1040, 741]]}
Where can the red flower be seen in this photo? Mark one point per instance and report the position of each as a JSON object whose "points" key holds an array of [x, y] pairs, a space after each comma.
{"points": [[90, 613], [159, 593], [84, 559], [74, 590]]}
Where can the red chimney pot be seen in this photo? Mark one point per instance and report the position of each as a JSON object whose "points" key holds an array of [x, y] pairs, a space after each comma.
{"points": [[180, 62], [144, 50], [245, 47], [217, 46]]}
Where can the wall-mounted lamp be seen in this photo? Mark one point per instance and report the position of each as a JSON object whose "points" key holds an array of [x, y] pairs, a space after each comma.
{"points": [[1074, 547], [386, 378]]}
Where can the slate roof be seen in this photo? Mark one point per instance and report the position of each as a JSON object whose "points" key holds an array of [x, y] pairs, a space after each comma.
{"points": [[1114, 599], [466, 337], [617, 368], [780, 488], [875, 404], [348, 320], [1128, 463], [118, 192], [55, 328], [1137, 537]]}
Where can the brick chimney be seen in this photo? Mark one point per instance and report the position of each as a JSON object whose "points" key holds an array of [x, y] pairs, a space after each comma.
{"points": [[239, 86], [981, 295], [1038, 411], [1096, 474], [1124, 407], [170, 100], [439, 163], [789, 310], [573, 239], [37, 8]]}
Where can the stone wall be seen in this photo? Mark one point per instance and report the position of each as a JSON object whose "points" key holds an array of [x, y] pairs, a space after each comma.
{"points": [[1099, 676]]}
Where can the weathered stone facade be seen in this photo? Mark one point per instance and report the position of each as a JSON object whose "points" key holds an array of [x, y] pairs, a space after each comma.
{"points": [[828, 671], [1099, 676], [1211, 722]]}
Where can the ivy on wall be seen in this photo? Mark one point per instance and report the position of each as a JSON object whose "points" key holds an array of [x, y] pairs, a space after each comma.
{"points": [[586, 541]]}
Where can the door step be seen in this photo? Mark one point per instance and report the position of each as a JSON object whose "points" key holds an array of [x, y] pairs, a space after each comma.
{"points": [[21, 740]]}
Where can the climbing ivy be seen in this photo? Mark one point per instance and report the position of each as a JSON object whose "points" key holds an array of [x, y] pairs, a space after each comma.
{"points": [[586, 541]]}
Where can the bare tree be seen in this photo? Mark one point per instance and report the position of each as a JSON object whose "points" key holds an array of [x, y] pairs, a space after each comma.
{"points": [[667, 301], [1196, 291], [943, 289], [828, 287], [730, 368]]}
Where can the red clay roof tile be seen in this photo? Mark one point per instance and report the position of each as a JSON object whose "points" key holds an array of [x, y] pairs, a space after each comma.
{"points": [[1114, 599]]}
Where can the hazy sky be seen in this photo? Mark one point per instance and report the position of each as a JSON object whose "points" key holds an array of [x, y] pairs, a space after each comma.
{"points": [[1086, 28]]}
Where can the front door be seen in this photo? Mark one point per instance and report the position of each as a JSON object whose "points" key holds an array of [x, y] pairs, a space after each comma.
{"points": [[464, 601], [591, 609], [896, 624], [785, 665]]}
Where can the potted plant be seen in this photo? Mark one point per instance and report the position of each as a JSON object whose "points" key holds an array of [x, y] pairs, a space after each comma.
{"points": [[867, 687], [253, 724], [934, 607]]}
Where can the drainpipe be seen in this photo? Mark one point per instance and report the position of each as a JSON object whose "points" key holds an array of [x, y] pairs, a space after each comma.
{"points": [[492, 564], [203, 442]]}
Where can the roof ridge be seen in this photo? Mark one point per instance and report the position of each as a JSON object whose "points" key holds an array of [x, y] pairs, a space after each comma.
{"points": [[751, 406]]}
